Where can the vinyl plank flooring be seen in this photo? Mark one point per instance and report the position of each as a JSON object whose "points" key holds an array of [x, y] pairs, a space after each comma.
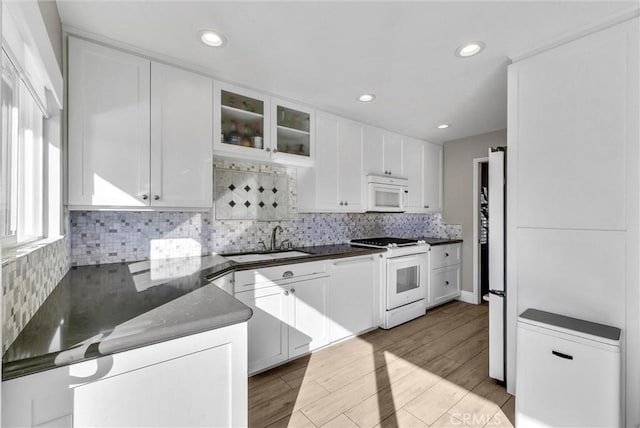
{"points": [[432, 371]]}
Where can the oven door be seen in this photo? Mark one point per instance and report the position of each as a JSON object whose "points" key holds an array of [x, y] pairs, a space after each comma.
{"points": [[384, 198], [407, 278]]}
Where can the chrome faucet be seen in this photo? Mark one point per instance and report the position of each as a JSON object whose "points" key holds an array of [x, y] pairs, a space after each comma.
{"points": [[274, 233]]}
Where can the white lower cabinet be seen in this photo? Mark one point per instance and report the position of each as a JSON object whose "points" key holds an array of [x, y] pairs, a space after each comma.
{"points": [[302, 307], [268, 330], [444, 277], [290, 315], [197, 380], [352, 296], [308, 321]]}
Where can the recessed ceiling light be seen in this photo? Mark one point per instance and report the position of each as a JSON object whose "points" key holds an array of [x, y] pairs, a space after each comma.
{"points": [[443, 126], [365, 98], [470, 49], [211, 38]]}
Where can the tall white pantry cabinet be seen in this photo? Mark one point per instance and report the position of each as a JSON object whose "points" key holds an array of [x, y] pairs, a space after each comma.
{"points": [[139, 132], [573, 187]]}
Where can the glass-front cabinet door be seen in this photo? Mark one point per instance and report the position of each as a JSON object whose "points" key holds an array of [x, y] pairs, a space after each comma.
{"points": [[241, 121], [292, 132]]}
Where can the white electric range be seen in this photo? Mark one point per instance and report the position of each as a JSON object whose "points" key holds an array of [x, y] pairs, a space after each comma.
{"points": [[406, 277]]}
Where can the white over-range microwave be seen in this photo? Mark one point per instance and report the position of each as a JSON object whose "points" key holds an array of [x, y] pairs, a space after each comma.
{"points": [[386, 194]]}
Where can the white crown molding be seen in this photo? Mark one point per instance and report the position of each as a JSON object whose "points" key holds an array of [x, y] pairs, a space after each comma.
{"points": [[610, 21]]}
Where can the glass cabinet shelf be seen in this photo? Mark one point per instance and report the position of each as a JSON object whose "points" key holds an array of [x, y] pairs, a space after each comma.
{"points": [[293, 127], [242, 120]]}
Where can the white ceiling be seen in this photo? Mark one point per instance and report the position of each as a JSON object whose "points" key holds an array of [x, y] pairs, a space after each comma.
{"points": [[327, 53]]}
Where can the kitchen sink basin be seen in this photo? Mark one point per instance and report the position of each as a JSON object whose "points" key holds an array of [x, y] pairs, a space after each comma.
{"points": [[256, 257]]}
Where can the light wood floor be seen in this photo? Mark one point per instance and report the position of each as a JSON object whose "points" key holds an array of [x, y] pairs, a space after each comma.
{"points": [[430, 372]]}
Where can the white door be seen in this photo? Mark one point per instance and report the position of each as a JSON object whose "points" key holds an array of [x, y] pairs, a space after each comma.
{"points": [[308, 321], [412, 164], [407, 279], [374, 150], [350, 170], [267, 328], [393, 154], [432, 199], [109, 137], [496, 264], [352, 293], [181, 138]]}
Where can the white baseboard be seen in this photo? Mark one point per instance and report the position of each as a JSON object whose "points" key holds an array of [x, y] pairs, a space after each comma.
{"points": [[467, 297]]}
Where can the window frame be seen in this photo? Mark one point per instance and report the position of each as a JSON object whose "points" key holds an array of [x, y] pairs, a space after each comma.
{"points": [[22, 88]]}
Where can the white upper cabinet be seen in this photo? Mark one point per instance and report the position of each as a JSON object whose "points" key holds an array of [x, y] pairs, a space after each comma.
{"points": [[181, 137], [292, 135], [413, 165], [108, 135], [139, 133], [324, 183], [393, 153], [432, 181], [339, 176], [383, 154], [253, 126], [240, 119], [374, 151]]}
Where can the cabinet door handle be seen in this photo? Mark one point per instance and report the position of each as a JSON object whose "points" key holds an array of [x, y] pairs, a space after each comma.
{"points": [[426, 206], [561, 355], [145, 197], [287, 274], [285, 292], [156, 198]]}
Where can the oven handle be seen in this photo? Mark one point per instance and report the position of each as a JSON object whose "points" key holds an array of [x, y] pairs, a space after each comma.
{"points": [[407, 255]]}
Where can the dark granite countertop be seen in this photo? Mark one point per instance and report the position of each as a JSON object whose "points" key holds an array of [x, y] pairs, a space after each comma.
{"points": [[105, 309], [440, 241]]}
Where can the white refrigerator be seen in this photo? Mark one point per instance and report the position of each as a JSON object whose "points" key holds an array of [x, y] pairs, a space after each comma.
{"points": [[497, 254]]}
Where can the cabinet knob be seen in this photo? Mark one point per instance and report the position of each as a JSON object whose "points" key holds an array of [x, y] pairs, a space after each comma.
{"points": [[293, 290], [446, 254], [341, 203], [145, 197], [285, 292], [156, 198], [346, 203], [446, 283], [275, 150], [268, 149]]}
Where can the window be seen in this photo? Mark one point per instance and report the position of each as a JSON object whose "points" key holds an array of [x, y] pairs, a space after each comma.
{"points": [[21, 160]]}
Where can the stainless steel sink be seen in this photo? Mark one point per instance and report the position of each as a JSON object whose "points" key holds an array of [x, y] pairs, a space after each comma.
{"points": [[256, 257]]}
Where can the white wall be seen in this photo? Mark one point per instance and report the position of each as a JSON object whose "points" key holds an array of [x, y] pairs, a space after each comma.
{"points": [[573, 189]]}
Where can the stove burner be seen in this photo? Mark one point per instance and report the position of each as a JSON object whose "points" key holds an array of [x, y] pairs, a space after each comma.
{"points": [[384, 242]]}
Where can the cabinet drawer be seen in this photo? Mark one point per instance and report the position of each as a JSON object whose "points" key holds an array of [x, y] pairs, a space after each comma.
{"points": [[259, 278], [445, 255], [444, 284]]}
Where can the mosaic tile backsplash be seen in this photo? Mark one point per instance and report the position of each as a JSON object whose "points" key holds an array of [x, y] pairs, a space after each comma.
{"points": [[250, 195], [114, 236], [27, 281], [108, 237]]}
